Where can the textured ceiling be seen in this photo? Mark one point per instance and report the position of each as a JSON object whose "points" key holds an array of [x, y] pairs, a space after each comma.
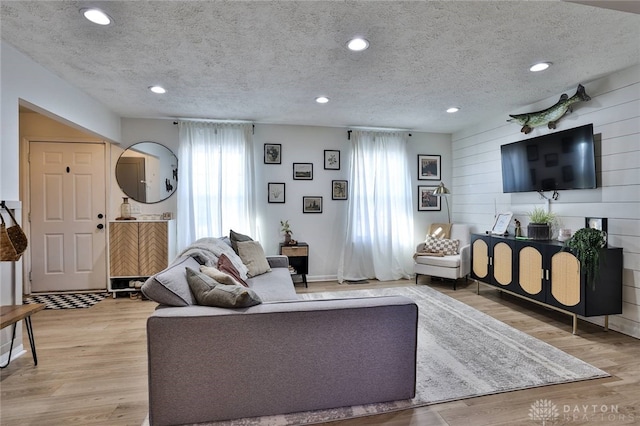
{"points": [[266, 61]]}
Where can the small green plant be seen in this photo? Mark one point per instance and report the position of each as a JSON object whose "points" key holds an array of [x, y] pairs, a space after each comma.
{"points": [[585, 245], [539, 215], [285, 227]]}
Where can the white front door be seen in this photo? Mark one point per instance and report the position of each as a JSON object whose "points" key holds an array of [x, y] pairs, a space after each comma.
{"points": [[67, 199]]}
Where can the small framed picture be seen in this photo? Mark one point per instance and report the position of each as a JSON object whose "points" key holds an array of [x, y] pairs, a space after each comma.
{"points": [[331, 160], [501, 223], [302, 171], [599, 223], [276, 192], [428, 167], [272, 153], [339, 190], [311, 204], [426, 200]]}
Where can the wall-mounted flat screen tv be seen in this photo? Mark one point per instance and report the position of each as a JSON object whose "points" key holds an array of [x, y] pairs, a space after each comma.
{"points": [[559, 160]]}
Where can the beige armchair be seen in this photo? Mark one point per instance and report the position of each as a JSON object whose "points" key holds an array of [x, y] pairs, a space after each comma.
{"points": [[452, 266]]}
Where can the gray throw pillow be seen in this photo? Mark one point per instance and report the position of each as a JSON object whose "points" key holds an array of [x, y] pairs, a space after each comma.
{"points": [[209, 292], [236, 237]]}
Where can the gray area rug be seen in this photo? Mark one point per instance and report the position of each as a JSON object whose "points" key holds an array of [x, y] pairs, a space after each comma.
{"points": [[462, 353]]}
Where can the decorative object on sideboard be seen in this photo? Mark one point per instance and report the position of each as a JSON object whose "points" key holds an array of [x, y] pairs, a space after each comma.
{"points": [[539, 227], [585, 245], [551, 115], [284, 227], [443, 191], [518, 230], [564, 234], [501, 223], [125, 210], [147, 172]]}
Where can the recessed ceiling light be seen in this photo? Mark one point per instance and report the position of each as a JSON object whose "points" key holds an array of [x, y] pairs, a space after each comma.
{"points": [[453, 109], [541, 66], [322, 99], [358, 44], [158, 89], [96, 16]]}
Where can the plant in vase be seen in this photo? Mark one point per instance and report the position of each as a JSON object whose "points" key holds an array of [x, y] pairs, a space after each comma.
{"points": [[539, 227], [284, 227], [585, 245]]}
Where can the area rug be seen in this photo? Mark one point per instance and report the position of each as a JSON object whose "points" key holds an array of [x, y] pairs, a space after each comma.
{"points": [[67, 300], [462, 353]]}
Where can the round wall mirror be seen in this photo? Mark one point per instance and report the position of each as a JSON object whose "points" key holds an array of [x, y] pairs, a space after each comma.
{"points": [[147, 172]]}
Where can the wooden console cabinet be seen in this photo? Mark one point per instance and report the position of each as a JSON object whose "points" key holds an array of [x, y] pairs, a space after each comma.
{"points": [[137, 250], [542, 272]]}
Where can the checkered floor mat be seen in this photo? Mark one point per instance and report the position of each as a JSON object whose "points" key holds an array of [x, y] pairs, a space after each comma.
{"points": [[67, 301]]}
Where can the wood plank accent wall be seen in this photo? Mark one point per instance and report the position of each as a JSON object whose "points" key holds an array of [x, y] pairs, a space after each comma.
{"points": [[614, 110]]}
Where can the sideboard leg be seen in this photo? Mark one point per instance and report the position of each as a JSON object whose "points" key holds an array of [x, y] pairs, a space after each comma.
{"points": [[477, 287], [575, 324], [606, 323]]}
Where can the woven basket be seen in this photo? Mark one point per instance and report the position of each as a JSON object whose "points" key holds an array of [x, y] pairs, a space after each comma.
{"points": [[13, 241]]}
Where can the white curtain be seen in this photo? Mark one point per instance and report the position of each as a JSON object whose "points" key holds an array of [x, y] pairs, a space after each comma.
{"points": [[215, 180], [379, 237]]}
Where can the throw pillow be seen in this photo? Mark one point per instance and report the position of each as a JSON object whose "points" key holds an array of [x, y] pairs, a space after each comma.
{"points": [[219, 276], [253, 257], [444, 245], [236, 237], [440, 230], [225, 265], [208, 292]]}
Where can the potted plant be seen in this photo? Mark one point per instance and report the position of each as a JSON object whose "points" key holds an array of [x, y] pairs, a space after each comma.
{"points": [[287, 231], [539, 227], [585, 244]]}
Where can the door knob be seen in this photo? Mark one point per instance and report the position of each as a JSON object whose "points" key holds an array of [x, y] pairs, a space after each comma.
{"points": [[100, 226], [100, 215]]}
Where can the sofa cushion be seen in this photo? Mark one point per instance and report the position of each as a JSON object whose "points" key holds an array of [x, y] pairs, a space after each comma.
{"points": [[444, 245], [445, 261], [274, 286], [225, 265], [237, 237], [219, 276], [253, 257], [209, 292], [170, 287]]}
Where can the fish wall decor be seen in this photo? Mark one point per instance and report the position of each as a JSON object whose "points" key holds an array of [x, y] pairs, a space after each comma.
{"points": [[551, 115]]}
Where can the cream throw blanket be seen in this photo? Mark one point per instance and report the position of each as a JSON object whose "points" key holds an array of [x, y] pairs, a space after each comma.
{"points": [[207, 251]]}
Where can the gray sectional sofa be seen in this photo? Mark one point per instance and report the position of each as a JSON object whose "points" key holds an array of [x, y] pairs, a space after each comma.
{"points": [[284, 355]]}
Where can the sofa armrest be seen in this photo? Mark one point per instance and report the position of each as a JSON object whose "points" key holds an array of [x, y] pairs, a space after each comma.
{"points": [[465, 260], [278, 261], [420, 247]]}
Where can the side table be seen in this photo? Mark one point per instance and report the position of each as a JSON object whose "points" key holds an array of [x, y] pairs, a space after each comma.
{"points": [[298, 255]]}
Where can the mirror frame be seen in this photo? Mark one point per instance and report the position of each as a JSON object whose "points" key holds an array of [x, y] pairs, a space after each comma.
{"points": [[164, 181]]}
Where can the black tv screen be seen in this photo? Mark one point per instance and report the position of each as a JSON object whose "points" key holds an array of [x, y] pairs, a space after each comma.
{"points": [[560, 160]]}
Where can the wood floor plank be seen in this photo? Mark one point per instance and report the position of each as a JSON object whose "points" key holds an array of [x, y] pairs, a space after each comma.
{"points": [[92, 367]]}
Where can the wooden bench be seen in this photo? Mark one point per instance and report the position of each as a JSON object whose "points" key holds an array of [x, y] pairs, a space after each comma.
{"points": [[10, 315]]}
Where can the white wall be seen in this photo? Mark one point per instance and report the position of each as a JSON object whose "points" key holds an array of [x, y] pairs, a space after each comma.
{"points": [[24, 81], [614, 110]]}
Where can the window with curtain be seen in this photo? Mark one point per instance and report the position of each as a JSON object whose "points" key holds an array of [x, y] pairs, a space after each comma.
{"points": [[379, 237], [215, 180]]}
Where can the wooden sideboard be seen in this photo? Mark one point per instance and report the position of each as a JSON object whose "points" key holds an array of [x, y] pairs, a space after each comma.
{"points": [[541, 271], [137, 250]]}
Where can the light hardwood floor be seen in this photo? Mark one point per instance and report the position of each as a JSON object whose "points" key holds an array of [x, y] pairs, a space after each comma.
{"points": [[92, 368]]}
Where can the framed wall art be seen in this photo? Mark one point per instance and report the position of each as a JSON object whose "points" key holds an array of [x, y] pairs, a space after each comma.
{"points": [[311, 204], [302, 171], [426, 200], [339, 189], [276, 191], [272, 153], [331, 160], [428, 167]]}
